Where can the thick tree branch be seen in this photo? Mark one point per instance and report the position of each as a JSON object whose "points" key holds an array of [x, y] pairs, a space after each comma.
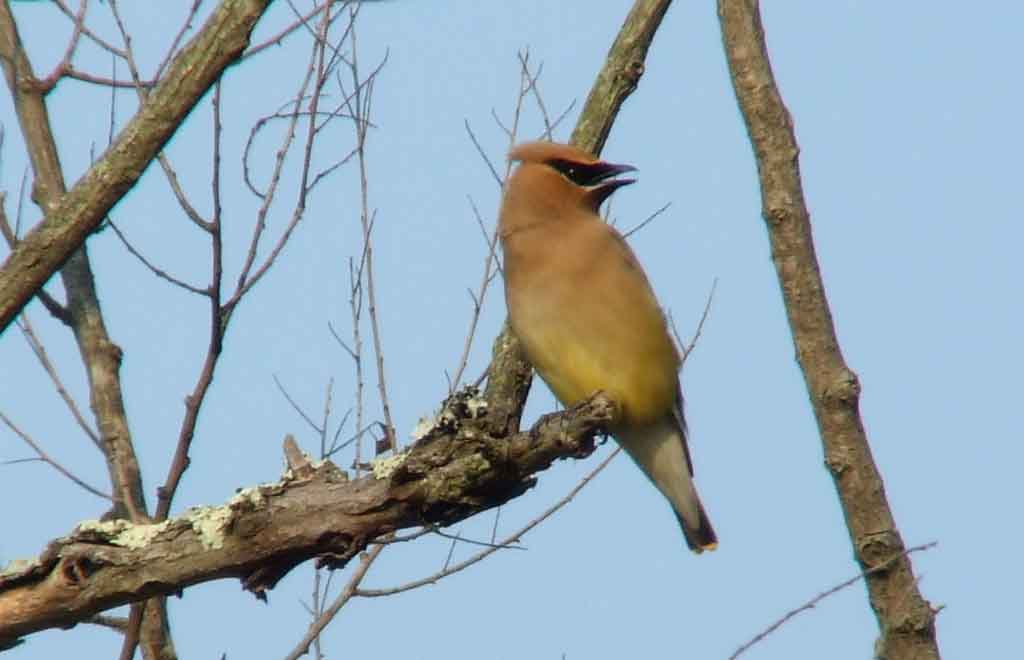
{"points": [[78, 213], [906, 620], [460, 467], [509, 374]]}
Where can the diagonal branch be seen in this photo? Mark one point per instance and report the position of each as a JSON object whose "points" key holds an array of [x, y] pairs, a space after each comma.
{"points": [[458, 468], [906, 619]]}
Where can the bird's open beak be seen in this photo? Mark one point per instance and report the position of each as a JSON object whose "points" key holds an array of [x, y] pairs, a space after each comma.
{"points": [[602, 172], [603, 182]]}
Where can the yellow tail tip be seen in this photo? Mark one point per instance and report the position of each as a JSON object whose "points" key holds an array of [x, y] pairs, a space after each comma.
{"points": [[710, 547]]}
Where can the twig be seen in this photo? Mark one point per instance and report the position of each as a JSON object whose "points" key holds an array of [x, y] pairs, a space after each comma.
{"points": [[153, 268], [64, 65], [44, 457], [483, 154], [492, 544], [301, 21], [105, 45], [512, 538], [366, 560], [825, 594], [686, 348], [295, 406], [492, 264], [647, 220], [185, 27], [360, 107], [40, 352]]}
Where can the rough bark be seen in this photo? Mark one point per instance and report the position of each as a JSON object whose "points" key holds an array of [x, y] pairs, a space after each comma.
{"points": [[906, 619], [457, 469]]}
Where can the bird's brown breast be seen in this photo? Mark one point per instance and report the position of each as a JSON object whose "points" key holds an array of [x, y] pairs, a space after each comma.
{"points": [[588, 319]]}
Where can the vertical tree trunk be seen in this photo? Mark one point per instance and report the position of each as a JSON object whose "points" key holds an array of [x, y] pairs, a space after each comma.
{"points": [[906, 620]]}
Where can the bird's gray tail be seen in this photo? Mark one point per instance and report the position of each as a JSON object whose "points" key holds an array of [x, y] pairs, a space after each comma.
{"points": [[699, 537], [661, 452]]}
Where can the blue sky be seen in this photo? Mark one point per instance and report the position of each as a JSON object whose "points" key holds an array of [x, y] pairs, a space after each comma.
{"points": [[910, 152]]}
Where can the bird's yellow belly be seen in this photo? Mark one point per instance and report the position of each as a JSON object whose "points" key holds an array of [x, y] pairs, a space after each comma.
{"points": [[636, 371]]}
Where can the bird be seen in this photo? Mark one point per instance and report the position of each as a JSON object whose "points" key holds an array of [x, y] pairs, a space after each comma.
{"points": [[587, 318]]}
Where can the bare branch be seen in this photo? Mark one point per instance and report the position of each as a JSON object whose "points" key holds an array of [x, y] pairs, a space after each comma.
{"points": [[512, 538], [450, 474], [185, 27], [219, 318], [483, 154], [105, 45], [685, 348], [50, 81], [906, 620], [365, 561], [647, 220], [40, 352], [360, 107], [295, 406], [812, 603], [44, 457], [156, 270]]}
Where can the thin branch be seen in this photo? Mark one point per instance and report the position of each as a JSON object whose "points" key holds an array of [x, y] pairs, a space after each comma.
{"points": [[295, 406], [365, 561], [483, 154], [361, 108], [40, 352], [512, 538], [44, 457], [153, 268], [485, 544], [647, 220], [492, 264], [186, 26], [685, 348], [112, 83], [812, 603], [105, 45], [50, 81], [276, 39]]}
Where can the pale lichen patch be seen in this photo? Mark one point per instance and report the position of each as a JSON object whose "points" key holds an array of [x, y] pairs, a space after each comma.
{"points": [[383, 467], [251, 496], [124, 533], [209, 522]]}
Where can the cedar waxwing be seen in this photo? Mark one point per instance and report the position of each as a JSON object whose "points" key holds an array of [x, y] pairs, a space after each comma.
{"points": [[582, 307]]}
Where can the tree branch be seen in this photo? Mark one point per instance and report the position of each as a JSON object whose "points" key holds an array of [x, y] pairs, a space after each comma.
{"points": [[907, 621], [460, 467]]}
